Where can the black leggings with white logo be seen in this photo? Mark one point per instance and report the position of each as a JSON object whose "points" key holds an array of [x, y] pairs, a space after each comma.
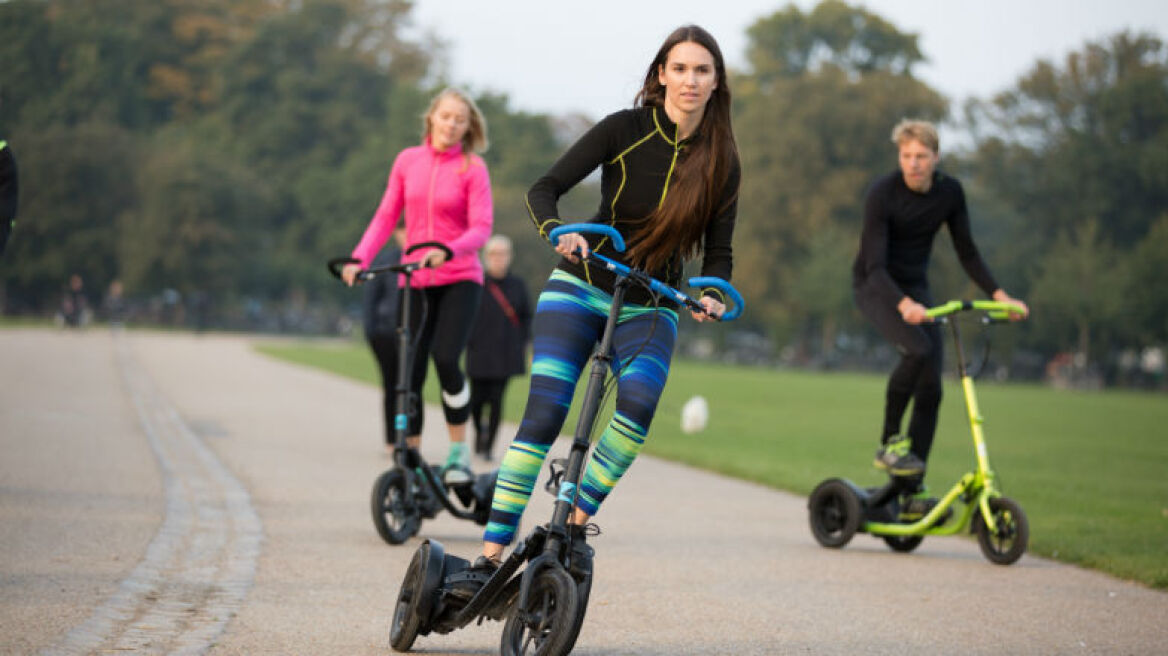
{"points": [[441, 319]]}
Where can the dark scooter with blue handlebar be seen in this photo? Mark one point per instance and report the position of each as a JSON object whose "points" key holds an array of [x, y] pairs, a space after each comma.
{"points": [[412, 490], [543, 605]]}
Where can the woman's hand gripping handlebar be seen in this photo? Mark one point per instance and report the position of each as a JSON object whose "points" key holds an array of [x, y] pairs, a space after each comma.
{"points": [[349, 270], [569, 241]]}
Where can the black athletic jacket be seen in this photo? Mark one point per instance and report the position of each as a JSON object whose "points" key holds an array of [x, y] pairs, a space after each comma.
{"points": [[637, 150], [897, 240]]}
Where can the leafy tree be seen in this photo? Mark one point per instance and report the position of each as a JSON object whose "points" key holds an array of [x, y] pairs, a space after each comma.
{"points": [[813, 117], [790, 43], [75, 183], [1077, 283], [1146, 303], [1089, 138], [197, 224], [822, 288], [1075, 156]]}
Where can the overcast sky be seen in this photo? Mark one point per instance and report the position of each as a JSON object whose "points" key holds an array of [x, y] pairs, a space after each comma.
{"points": [[588, 56]]}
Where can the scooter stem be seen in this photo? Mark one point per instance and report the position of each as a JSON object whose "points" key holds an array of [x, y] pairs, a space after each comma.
{"points": [[601, 361]]}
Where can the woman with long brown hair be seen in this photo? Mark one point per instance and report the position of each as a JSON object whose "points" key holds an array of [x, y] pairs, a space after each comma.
{"points": [[669, 185]]}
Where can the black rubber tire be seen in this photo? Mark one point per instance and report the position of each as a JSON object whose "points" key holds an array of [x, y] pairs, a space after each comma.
{"points": [[407, 621], [903, 543], [394, 523], [583, 591], [544, 627], [1007, 545], [834, 509]]}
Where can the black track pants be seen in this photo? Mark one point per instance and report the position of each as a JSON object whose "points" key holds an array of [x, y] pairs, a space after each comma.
{"points": [[486, 398], [918, 374]]}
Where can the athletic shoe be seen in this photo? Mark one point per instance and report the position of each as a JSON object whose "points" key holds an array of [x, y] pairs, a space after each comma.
{"points": [[580, 559], [895, 458], [457, 471], [466, 584], [455, 475], [918, 504]]}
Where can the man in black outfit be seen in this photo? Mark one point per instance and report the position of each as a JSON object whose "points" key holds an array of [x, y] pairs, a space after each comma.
{"points": [[903, 212]]}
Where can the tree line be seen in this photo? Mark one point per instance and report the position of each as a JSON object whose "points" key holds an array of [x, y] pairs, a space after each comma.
{"points": [[227, 148]]}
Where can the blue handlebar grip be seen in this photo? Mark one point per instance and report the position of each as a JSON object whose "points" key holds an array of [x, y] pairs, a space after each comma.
{"points": [[727, 289], [618, 242]]}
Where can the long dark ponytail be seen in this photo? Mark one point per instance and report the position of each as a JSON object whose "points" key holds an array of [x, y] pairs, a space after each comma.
{"points": [[679, 223]]}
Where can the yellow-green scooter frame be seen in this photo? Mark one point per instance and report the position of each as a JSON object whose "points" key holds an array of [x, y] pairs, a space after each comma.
{"points": [[975, 488]]}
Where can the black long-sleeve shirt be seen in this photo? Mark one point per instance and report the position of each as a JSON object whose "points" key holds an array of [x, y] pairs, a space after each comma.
{"points": [[636, 150], [897, 239]]}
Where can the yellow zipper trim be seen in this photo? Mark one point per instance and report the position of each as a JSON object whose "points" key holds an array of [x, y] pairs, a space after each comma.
{"points": [[543, 232]]}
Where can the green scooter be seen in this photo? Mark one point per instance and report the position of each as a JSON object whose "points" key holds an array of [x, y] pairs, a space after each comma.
{"points": [[839, 508]]}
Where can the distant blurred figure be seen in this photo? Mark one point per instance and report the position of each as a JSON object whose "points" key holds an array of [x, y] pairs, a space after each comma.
{"points": [[74, 306], [498, 343], [380, 310], [114, 305], [8, 193]]}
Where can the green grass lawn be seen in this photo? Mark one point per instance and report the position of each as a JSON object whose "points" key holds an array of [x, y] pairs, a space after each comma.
{"points": [[1089, 468]]}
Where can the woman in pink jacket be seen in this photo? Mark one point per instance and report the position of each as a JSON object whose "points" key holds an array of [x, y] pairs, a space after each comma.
{"points": [[444, 189]]}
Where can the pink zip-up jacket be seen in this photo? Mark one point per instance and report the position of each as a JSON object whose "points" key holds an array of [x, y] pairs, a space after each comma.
{"points": [[446, 199]]}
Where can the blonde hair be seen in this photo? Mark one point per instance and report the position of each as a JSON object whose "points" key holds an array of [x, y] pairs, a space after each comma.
{"points": [[475, 139], [916, 130]]}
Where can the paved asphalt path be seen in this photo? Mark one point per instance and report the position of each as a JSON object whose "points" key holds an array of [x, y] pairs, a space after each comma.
{"points": [[170, 493]]}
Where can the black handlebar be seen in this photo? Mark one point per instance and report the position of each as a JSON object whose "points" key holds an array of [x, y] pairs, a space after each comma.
{"points": [[337, 264]]}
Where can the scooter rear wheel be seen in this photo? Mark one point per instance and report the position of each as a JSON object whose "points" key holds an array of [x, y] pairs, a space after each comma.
{"points": [[395, 523], [835, 514], [544, 625], [407, 619], [903, 543], [1007, 544]]}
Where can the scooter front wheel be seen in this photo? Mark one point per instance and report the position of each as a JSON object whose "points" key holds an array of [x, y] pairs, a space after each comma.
{"points": [[834, 509], [583, 591], [544, 625], [1007, 544], [395, 521]]}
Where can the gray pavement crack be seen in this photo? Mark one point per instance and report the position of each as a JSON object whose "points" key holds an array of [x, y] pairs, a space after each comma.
{"points": [[199, 567]]}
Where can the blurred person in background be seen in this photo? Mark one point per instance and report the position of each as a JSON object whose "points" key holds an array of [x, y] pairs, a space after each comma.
{"points": [[498, 343], [74, 311], [8, 193]]}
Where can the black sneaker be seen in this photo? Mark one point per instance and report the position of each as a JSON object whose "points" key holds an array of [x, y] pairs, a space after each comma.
{"points": [[466, 584], [580, 554], [895, 458], [918, 504]]}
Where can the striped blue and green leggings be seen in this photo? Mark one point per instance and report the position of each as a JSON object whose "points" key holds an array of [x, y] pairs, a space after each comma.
{"points": [[569, 319]]}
